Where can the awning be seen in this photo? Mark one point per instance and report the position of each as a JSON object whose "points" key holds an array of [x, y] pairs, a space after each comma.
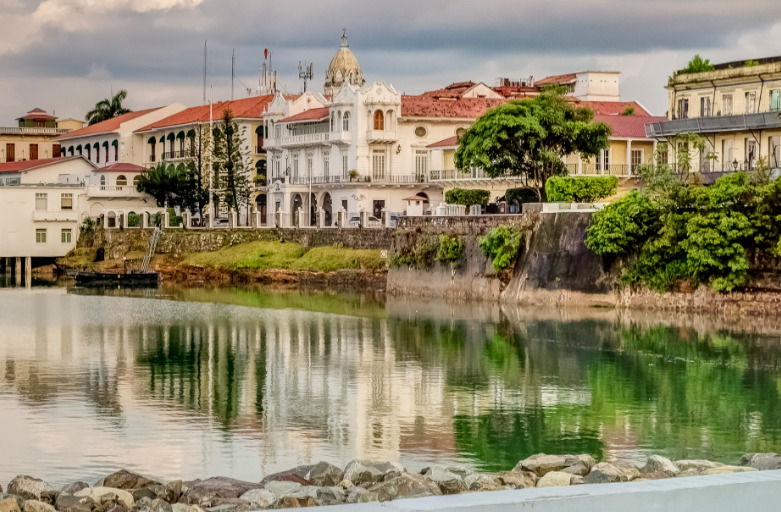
{"points": [[162, 139], [259, 131], [115, 143], [191, 133], [151, 140], [180, 135], [96, 146], [170, 136], [105, 143], [78, 148]]}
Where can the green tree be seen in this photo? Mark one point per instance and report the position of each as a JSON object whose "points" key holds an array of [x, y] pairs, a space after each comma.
{"points": [[194, 182], [162, 182], [531, 138], [230, 163], [108, 108], [698, 65]]}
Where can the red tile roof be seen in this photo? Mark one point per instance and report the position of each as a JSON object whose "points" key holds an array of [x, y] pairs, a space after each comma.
{"points": [[612, 107], [629, 127], [247, 108], [516, 91], [36, 113], [108, 126], [29, 165], [446, 143], [313, 114], [461, 108], [121, 167], [557, 79]]}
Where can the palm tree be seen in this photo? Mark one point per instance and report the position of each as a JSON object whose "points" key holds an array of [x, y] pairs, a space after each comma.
{"points": [[108, 108], [161, 182]]}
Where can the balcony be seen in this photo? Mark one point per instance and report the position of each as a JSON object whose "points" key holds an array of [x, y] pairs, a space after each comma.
{"points": [[734, 123], [343, 138], [113, 191], [176, 155], [61, 216], [601, 170], [393, 179], [304, 140], [380, 136], [32, 130], [457, 175]]}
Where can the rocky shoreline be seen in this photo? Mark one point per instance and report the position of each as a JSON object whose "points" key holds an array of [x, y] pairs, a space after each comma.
{"points": [[361, 481]]}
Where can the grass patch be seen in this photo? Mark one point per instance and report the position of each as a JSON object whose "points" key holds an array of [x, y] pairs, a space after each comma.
{"points": [[286, 256], [78, 258]]}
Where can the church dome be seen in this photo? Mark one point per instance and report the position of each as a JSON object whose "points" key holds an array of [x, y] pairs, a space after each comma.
{"points": [[343, 68]]}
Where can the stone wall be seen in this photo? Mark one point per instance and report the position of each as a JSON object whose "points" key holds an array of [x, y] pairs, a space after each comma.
{"points": [[476, 225]]}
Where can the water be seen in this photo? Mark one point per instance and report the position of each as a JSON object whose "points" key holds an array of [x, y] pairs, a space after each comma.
{"points": [[197, 383]]}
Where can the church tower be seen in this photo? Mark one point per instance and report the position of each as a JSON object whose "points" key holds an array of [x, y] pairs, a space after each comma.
{"points": [[343, 68]]}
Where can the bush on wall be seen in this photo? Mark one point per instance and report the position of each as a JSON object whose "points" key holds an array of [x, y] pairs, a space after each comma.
{"points": [[467, 197], [580, 189]]}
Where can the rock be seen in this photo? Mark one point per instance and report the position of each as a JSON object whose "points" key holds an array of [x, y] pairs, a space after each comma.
{"points": [[324, 474], [260, 498], [162, 492], [142, 505], [29, 488], [236, 505], [181, 507], [604, 472], [37, 506], [74, 504], [359, 495], [629, 470], [554, 479], [159, 505], [447, 481], [208, 492], [292, 475], [291, 502], [659, 464], [405, 486], [476, 482], [576, 480], [369, 472], [579, 469], [125, 480], [696, 464], [331, 495], [174, 490], [722, 470], [656, 475], [761, 461], [96, 493], [9, 505], [346, 484], [280, 488], [73, 488], [542, 463], [146, 492], [517, 479]]}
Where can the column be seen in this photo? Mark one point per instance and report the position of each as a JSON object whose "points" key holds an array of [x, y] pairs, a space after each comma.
{"points": [[18, 271], [28, 271], [580, 163], [628, 157]]}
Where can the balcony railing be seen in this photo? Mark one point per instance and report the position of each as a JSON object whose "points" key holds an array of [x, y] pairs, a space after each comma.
{"points": [[454, 174], [309, 138], [338, 179], [734, 123], [381, 135], [174, 155], [32, 130], [111, 191]]}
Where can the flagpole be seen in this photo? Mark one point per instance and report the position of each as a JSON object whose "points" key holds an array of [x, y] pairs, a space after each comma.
{"points": [[211, 144]]}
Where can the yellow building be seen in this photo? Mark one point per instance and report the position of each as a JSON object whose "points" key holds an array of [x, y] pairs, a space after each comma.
{"points": [[33, 137], [735, 107]]}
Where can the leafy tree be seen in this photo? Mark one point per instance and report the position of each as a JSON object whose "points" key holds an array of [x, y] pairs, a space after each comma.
{"points": [[108, 108], [450, 250], [194, 182], [467, 197], [580, 188], [698, 65], [622, 225], [502, 245], [520, 195], [162, 182], [231, 164], [530, 138]]}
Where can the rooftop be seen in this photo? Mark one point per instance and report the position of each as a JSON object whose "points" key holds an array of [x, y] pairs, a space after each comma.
{"points": [[121, 167], [108, 126], [29, 165], [247, 108], [313, 114], [458, 108], [37, 114]]}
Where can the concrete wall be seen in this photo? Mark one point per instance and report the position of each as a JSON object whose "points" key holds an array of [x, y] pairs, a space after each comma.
{"points": [[717, 493]]}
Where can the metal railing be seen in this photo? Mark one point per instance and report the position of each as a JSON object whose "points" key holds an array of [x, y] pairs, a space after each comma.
{"points": [[392, 178], [739, 122], [173, 155], [33, 130]]}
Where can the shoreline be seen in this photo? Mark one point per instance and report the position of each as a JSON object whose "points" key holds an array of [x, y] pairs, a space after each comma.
{"points": [[360, 481]]}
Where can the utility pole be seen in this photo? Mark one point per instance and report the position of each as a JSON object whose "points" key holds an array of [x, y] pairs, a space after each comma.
{"points": [[233, 70], [204, 71], [211, 171], [305, 73]]}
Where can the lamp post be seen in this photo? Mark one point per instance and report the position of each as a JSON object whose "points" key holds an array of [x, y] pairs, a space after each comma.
{"points": [[735, 165]]}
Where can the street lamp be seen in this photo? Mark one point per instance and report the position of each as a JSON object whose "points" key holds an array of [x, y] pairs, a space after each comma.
{"points": [[735, 165]]}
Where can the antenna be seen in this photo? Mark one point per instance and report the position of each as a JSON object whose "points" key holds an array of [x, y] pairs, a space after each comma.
{"points": [[305, 73], [233, 70], [204, 71]]}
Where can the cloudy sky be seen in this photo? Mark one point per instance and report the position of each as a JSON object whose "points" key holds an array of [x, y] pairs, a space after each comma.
{"points": [[65, 55]]}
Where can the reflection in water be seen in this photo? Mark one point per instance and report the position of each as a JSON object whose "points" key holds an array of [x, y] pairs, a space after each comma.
{"points": [[188, 388]]}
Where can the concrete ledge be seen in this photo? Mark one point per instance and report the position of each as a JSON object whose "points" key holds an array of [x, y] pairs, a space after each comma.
{"points": [[751, 491]]}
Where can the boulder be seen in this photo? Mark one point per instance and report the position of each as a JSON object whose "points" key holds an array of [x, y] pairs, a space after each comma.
{"points": [[142, 505], [291, 502], [368, 472], [405, 485], [542, 463], [659, 464], [174, 490], [125, 480], [346, 484], [236, 505], [579, 469], [477, 482], [96, 493], [281, 488], [9, 505], [163, 492], [628, 469], [576, 480], [73, 488], [761, 461], [331, 495], [722, 470], [359, 495], [604, 472], [74, 504], [260, 498], [181, 507], [146, 492], [554, 479], [159, 505], [29, 488], [655, 475], [696, 464], [517, 479], [447, 481], [297, 475], [208, 492], [324, 474]]}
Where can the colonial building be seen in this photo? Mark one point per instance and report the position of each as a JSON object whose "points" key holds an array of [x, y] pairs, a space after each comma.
{"points": [[34, 137], [735, 107]]}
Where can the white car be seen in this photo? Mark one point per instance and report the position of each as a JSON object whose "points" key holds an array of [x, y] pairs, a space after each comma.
{"points": [[355, 222]]}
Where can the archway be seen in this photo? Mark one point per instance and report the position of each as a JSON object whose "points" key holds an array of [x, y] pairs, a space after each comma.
{"points": [[112, 220], [313, 210], [261, 204], [328, 207], [297, 203]]}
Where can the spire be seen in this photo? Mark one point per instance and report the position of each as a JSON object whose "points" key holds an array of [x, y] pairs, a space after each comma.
{"points": [[344, 38]]}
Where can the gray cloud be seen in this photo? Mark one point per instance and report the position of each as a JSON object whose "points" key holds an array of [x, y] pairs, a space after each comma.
{"points": [[66, 54]]}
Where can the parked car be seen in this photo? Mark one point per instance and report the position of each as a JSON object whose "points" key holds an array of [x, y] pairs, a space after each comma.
{"points": [[373, 222], [220, 223]]}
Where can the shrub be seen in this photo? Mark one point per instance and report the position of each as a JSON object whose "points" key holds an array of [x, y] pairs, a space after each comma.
{"points": [[88, 224], [419, 252], [173, 219], [502, 245], [622, 225], [450, 250], [467, 197], [133, 220], [521, 195], [580, 189]]}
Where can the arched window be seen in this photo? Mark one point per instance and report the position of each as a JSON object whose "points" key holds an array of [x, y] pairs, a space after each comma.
{"points": [[136, 178], [152, 153], [121, 180], [346, 122], [102, 178], [333, 118], [338, 119], [379, 120], [89, 156]]}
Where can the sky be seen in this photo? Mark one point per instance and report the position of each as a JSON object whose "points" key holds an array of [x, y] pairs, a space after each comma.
{"points": [[65, 55]]}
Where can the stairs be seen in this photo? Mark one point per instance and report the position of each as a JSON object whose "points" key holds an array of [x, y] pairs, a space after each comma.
{"points": [[151, 249]]}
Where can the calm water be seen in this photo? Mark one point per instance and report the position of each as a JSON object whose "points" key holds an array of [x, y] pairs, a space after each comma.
{"points": [[195, 383]]}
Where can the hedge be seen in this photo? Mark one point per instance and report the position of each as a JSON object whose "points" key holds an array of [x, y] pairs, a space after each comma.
{"points": [[570, 189], [467, 197]]}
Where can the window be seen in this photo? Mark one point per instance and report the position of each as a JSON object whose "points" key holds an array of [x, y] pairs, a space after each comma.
{"points": [[378, 164], [65, 236], [10, 153], [751, 153], [33, 151], [345, 173], [379, 120], [116, 153], [704, 107], [775, 100], [40, 236], [56, 151], [40, 201], [637, 159], [683, 108], [603, 160], [326, 164], [346, 122], [727, 155], [66, 202], [136, 179], [662, 154], [278, 133], [103, 183], [309, 164], [420, 131], [726, 105], [295, 167], [750, 102], [421, 164], [121, 180], [89, 157], [333, 118]]}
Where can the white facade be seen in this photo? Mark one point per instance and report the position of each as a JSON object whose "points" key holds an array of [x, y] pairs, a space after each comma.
{"points": [[596, 86]]}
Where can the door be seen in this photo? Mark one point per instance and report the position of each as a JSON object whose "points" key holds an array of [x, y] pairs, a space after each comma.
{"points": [[377, 210], [10, 153], [33, 151], [727, 156], [56, 151]]}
